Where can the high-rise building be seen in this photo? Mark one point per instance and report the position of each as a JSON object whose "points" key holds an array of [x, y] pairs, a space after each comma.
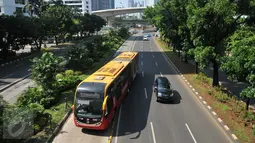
{"points": [[150, 2], [83, 6], [130, 3], [9, 7], [102, 4]]}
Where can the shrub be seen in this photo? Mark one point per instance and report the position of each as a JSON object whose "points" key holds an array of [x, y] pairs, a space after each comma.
{"points": [[204, 79], [67, 80], [77, 57], [123, 32], [249, 116], [69, 72], [41, 118], [77, 73], [35, 95], [45, 69], [220, 96]]}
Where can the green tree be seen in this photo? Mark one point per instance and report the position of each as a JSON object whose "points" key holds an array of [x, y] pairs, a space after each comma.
{"points": [[44, 69], [16, 32], [91, 23], [59, 21], [35, 7], [123, 32], [77, 57], [239, 64], [211, 23]]}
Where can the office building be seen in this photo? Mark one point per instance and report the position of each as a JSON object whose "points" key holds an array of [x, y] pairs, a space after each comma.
{"points": [[9, 7], [150, 2], [83, 6], [102, 4]]}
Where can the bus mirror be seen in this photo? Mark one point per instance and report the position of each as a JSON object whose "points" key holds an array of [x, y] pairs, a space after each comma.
{"points": [[104, 103], [104, 108], [72, 107]]}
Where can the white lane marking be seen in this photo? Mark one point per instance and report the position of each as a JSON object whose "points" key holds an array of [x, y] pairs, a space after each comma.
{"points": [[156, 63], [145, 92], [191, 133], [142, 73], [153, 134], [118, 125], [142, 55], [141, 63], [161, 74], [8, 75], [153, 56], [19, 65]]}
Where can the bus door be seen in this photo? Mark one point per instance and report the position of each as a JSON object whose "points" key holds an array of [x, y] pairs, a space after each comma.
{"points": [[125, 81], [117, 90]]}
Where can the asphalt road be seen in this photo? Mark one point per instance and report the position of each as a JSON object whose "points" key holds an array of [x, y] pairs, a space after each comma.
{"points": [[143, 120], [16, 71]]}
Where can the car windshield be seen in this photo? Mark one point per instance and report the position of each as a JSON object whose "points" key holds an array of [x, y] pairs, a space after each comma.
{"points": [[88, 105], [164, 85]]}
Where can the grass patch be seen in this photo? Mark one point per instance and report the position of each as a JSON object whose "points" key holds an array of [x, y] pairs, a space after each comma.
{"points": [[228, 108], [61, 108]]}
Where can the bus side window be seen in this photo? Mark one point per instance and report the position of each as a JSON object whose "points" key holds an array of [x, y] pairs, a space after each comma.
{"points": [[109, 104], [118, 88]]}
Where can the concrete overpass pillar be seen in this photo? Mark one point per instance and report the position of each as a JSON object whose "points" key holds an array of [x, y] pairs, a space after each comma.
{"points": [[109, 20]]}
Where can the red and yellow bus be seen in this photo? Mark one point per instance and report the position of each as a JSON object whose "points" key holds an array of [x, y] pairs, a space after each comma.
{"points": [[98, 97]]}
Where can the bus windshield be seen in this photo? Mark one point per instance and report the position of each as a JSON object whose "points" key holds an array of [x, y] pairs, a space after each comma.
{"points": [[88, 104]]}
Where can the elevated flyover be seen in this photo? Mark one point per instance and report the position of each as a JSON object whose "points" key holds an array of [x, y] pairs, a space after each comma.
{"points": [[108, 14]]}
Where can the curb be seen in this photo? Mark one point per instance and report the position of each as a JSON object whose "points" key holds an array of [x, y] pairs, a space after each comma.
{"points": [[11, 84], [19, 59], [208, 108], [62, 122], [57, 129]]}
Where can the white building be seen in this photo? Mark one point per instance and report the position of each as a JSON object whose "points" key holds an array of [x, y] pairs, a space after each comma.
{"points": [[9, 7], [150, 2], [84, 6]]}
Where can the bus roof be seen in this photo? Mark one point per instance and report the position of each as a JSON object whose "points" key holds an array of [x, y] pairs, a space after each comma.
{"points": [[129, 55], [111, 70]]}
